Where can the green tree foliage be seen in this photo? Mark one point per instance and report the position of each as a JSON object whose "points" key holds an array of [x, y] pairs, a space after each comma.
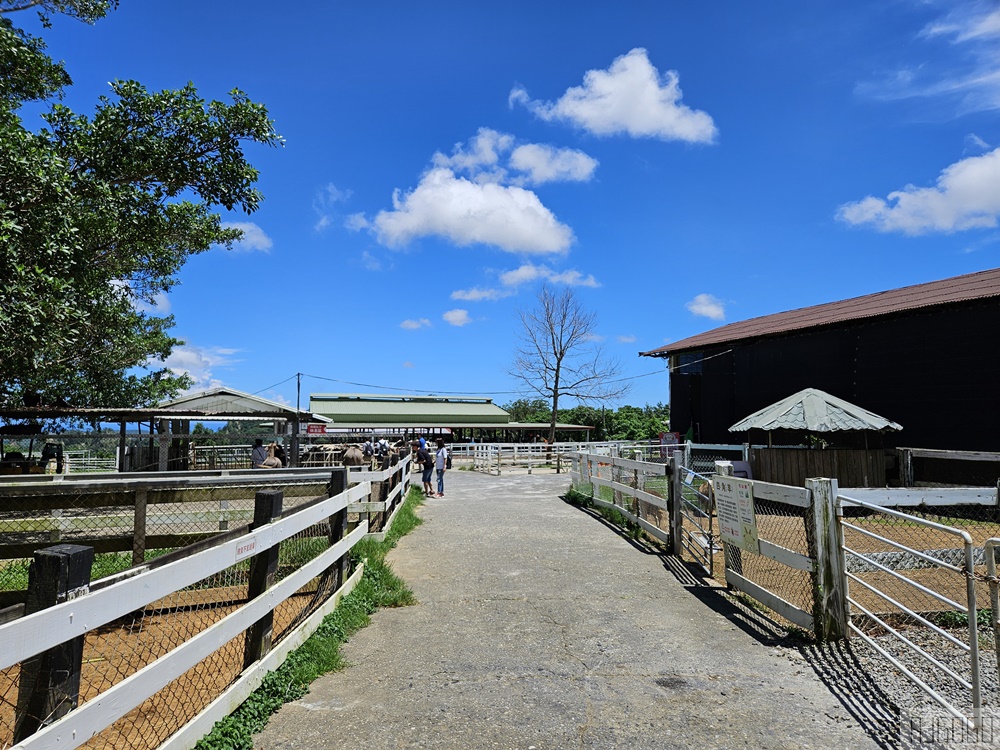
{"points": [[624, 423], [99, 213], [528, 410]]}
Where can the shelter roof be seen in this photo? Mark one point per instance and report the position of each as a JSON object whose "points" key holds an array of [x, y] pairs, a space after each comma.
{"points": [[973, 286], [422, 411], [215, 404], [815, 411]]}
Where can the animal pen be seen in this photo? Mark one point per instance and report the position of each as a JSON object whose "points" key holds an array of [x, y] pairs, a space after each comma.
{"points": [[156, 603], [908, 572]]}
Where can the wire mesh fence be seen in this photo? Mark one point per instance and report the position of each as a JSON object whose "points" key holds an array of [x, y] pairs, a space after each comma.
{"points": [[127, 522], [788, 527], [120, 648], [911, 581]]}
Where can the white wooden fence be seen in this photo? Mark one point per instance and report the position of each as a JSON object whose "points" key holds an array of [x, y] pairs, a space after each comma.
{"points": [[191, 578]]}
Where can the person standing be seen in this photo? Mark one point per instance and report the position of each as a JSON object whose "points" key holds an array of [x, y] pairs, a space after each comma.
{"points": [[426, 465], [258, 455], [441, 465]]}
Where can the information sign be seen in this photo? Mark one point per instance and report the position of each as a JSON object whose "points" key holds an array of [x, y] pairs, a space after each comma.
{"points": [[734, 505]]}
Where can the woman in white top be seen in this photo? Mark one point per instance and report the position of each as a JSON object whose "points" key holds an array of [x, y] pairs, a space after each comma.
{"points": [[440, 465]]}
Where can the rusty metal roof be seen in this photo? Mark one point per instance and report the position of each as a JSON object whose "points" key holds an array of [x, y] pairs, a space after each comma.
{"points": [[971, 286]]}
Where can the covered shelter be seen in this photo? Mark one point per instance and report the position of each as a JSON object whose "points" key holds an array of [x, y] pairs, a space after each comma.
{"points": [[169, 422], [463, 418], [813, 414]]}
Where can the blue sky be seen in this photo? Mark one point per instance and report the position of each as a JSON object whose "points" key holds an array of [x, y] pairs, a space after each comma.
{"points": [[680, 165]]}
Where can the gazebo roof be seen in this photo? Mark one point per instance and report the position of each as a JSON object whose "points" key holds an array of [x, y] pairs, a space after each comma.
{"points": [[816, 411]]}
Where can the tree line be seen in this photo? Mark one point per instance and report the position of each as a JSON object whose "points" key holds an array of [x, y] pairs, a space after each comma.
{"points": [[624, 423]]}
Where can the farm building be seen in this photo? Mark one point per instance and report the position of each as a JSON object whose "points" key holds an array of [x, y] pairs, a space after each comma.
{"points": [[915, 355], [462, 417]]}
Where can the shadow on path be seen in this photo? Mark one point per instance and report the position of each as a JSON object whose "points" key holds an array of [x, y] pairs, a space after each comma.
{"points": [[834, 663]]}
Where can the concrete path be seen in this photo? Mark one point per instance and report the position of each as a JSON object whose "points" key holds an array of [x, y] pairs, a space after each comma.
{"points": [[538, 627]]}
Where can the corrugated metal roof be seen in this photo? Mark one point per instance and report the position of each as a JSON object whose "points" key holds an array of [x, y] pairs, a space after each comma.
{"points": [[424, 411], [227, 401], [814, 410], [972, 286]]}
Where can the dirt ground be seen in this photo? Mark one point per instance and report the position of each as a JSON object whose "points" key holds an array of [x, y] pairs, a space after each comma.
{"points": [[117, 651]]}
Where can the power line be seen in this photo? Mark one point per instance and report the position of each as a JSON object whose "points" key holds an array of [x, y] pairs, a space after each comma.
{"points": [[452, 393]]}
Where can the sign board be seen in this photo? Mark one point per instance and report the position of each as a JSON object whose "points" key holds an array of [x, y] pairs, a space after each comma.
{"points": [[315, 429], [246, 549], [734, 505]]}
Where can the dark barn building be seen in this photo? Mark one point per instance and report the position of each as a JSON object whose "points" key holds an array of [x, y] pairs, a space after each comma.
{"points": [[923, 356]]}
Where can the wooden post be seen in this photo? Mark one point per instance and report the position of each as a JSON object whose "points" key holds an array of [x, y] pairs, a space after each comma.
{"points": [[676, 519], [906, 467], [825, 539], [121, 448], [49, 683], [338, 523], [164, 456], [263, 569], [394, 481], [139, 527]]}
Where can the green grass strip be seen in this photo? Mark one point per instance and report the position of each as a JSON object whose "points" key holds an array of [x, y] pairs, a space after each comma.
{"points": [[320, 654]]}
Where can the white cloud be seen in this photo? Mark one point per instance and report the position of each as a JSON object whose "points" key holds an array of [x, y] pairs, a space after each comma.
{"points": [[707, 306], [465, 212], [483, 151], [629, 97], [967, 40], [160, 306], [626, 339], [543, 163], [412, 325], [457, 317], [277, 398], [531, 272], [408, 364], [254, 238], [370, 262], [356, 222], [966, 196], [974, 143], [476, 294], [198, 362], [324, 204], [525, 274], [491, 156]]}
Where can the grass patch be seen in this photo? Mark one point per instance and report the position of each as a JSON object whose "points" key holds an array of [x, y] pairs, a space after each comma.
{"points": [[574, 497], [320, 654]]}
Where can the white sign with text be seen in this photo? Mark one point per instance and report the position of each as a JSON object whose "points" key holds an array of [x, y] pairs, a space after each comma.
{"points": [[734, 505]]}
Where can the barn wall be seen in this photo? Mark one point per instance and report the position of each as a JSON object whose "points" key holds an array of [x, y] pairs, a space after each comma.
{"points": [[933, 371]]}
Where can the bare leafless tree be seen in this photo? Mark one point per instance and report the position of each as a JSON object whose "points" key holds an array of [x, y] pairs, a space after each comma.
{"points": [[558, 354]]}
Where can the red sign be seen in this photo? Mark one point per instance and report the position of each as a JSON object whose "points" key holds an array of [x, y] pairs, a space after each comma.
{"points": [[316, 429]]}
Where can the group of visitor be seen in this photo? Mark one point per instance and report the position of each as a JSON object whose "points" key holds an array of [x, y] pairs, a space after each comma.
{"points": [[438, 462]]}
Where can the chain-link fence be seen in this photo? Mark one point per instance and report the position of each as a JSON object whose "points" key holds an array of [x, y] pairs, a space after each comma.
{"points": [[191, 518], [914, 600]]}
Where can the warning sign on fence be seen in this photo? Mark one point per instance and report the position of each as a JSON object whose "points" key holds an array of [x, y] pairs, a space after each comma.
{"points": [[734, 505]]}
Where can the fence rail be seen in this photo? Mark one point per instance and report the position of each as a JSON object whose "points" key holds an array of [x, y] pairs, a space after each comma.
{"points": [[180, 631], [894, 584], [137, 514]]}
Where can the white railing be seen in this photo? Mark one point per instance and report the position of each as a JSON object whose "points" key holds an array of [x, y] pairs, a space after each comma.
{"points": [[36, 633], [697, 536], [957, 570], [622, 485]]}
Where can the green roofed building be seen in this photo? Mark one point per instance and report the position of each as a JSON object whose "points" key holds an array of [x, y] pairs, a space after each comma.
{"points": [[463, 417]]}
